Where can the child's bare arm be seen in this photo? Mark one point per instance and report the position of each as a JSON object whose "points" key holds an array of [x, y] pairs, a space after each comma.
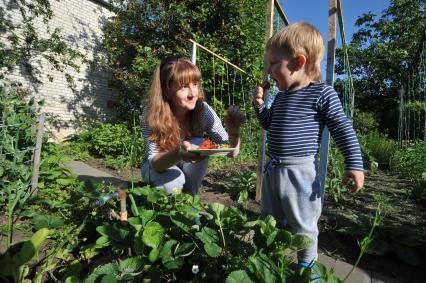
{"points": [[357, 177]]}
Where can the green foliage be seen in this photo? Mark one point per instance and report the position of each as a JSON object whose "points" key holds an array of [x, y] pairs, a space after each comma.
{"points": [[380, 147], [144, 31], [381, 54], [164, 241], [110, 139], [22, 41], [115, 142], [56, 183], [364, 122], [410, 162], [14, 262], [335, 169], [16, 147], [418, 107]]}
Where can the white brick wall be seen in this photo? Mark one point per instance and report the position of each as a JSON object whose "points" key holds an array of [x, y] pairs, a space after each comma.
{"points": [[80, 22]]}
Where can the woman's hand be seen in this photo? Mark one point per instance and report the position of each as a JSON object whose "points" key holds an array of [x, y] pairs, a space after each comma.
{"points": [[187, 156], [233, 120]]}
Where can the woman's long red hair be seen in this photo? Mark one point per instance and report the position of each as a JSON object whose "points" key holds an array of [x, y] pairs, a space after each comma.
{"points": [[160, 119]]}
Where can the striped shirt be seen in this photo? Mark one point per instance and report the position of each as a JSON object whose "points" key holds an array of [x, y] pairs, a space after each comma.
{"points": [[211, 125], [296, 120]]}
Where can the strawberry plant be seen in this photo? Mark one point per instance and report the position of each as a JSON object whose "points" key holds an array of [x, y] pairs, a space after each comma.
{"points": [[163, 241]]}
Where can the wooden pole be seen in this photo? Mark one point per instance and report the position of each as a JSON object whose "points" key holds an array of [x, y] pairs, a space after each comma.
{"points": [[261, 148], [37, 154], [195, 44], [325, 140], [194, 53], [281, 12], [346, 59]]}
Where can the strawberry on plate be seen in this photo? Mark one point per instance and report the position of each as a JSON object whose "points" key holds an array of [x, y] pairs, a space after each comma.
{"points": [[207, 144]]}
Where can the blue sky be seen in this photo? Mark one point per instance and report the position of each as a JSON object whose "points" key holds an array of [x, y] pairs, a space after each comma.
{"points": [[315, 12]]}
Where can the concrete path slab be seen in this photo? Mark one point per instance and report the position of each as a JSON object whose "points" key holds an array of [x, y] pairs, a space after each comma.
{"points": [[86, 172], [359, 275]]}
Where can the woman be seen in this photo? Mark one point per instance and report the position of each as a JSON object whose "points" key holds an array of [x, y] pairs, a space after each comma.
{"points": [[176, 117]]}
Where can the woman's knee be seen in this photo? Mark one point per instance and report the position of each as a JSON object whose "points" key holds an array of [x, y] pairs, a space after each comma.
{"points": [[171, 180]]}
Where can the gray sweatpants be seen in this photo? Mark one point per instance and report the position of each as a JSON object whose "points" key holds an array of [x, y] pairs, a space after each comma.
{"points": [[291, 192], [184, 176]]}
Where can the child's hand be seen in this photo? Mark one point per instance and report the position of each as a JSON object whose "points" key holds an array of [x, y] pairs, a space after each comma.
{"points": [[258, 93], [357, 177]]}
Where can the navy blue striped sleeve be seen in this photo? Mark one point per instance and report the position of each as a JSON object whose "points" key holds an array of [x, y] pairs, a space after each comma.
{"points": [[340, 128], [264, 115]]}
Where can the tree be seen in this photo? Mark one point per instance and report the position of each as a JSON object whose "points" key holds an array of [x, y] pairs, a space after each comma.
{"points": [[144, 31], [381, 54]]}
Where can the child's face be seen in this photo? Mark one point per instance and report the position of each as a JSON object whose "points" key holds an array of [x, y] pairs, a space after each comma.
{"points": [[185, 96], [282, 69]]}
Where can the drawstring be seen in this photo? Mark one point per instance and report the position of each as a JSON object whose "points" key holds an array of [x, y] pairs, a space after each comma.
{"points": [[272, 162]]}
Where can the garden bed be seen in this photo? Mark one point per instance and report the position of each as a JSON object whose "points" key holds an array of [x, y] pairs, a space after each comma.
{"points": [[402, 231]]}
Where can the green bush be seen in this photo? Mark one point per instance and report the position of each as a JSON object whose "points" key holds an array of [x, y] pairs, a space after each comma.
{"points": [[410, 162], [364, 122], [109, 141], [379, 146]]}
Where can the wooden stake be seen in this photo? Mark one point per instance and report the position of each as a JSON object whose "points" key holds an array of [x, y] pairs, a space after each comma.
{"points": [[261, 148], [37, 154], [325, 140]]}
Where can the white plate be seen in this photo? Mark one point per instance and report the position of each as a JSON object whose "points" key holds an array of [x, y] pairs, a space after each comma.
{"points": [[213, 152]]}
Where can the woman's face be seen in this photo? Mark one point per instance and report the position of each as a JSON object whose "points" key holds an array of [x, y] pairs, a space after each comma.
{"points": [[185, 96]]}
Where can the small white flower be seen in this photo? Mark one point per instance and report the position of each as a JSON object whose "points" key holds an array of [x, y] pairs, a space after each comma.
{"points": [[195, 269]]}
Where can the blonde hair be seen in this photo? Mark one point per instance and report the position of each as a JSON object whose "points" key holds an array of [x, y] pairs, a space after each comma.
{"points": [[300, 39], [173, 72]]}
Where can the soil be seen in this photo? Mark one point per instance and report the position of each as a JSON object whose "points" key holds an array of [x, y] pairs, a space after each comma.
{"points": [[403, 215]]}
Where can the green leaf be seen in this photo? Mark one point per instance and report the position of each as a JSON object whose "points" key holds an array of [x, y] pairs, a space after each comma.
{"points": [[271, 238], [238, 276], [130, 265], [72, 279], [166, 250], [108, 278], [207, 235], [102, 241], [146, 216], [138, 245], [30, 248], [184, 250], [216, 208], [153, 255], [44, 221], [65, 181], [301, 242], [181, 221], [115, 232], [135, 222], [153, 234], [172, 263], [263, 268], [212, 249], [100, 272]]}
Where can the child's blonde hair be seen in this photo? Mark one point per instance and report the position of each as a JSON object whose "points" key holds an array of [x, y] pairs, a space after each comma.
{"points": [[300, 38]]}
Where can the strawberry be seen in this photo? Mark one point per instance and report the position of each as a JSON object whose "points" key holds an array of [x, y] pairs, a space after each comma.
{"points": [[207, 144]]}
